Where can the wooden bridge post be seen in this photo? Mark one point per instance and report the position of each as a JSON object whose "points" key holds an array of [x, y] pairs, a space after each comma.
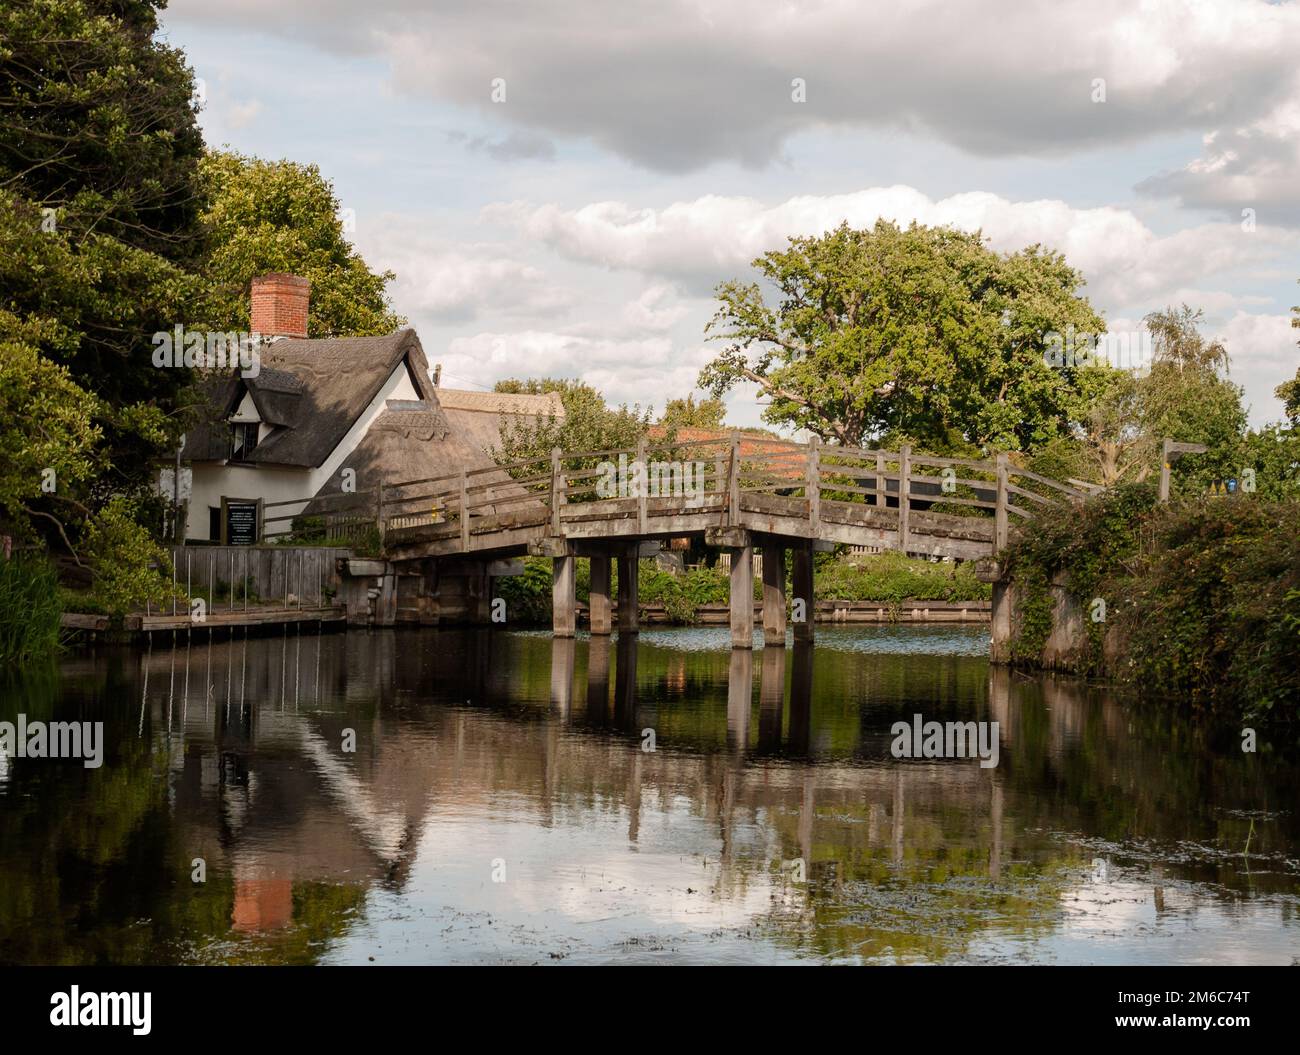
{"points": [[803, 592], [882, 485], [629, 575], [1000, 523], [479, 587], [463, 513], [773, 594], [742, 597], [557, 490], [598, 606], [642, 491], [564, 601], [904, 495], [813, 487], [733, 482]]}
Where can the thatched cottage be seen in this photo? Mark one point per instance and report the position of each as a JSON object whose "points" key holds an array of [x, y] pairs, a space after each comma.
{"points": [[323, 416]]}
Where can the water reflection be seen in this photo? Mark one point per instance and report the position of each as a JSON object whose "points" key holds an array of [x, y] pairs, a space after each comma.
{"points": [[356, 795]]}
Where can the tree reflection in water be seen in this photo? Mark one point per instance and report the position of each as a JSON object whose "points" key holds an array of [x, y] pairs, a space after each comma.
{"points": [[762, 818]]}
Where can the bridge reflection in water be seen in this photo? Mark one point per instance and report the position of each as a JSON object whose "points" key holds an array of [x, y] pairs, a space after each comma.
{"points": [[769, 820]]}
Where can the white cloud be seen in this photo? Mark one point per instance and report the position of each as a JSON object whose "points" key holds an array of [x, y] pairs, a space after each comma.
{"points": [[1263, 354], [646, 371], [711, 238], [656, 309], [1255, 166], [458, 282]]}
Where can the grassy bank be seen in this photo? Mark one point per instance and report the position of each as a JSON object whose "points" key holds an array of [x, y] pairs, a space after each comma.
{"points": [[1202, 596]]}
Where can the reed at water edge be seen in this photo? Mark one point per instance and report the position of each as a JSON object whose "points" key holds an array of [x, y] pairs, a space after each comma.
{"points": [[29, 610]]}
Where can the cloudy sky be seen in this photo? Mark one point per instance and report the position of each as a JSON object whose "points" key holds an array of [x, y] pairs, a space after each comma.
{"points": [[559, 184]]}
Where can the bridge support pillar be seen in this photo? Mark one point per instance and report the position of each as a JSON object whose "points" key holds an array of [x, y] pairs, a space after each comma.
{"points": [[742, 597], [481, 597], [629, 576], [599, 606], [564, 601], [774, 595], [1003, 628], [804, 598]]}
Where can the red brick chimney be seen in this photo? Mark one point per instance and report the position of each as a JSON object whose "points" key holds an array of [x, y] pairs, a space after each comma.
{"points": [[279, 307]]}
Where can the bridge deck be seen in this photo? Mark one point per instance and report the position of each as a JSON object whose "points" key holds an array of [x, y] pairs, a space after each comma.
{"points": [[613, 520]]}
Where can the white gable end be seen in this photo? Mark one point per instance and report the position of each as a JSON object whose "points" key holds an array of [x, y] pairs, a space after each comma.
{"points": [[246, 411], [398, 386]]}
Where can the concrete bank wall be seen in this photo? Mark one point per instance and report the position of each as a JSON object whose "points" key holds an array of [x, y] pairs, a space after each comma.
{"points": [[1066, 647]]}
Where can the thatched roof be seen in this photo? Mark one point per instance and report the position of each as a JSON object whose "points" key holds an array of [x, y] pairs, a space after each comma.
{"points": [[413, 441], [313, 391], [479, 416], [340, 377]]}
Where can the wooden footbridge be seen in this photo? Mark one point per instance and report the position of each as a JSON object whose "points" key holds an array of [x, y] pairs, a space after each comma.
{"points": [[734, 493]]}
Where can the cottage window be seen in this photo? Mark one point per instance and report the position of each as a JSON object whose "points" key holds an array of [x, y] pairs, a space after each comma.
{"points": [[243, 440]]}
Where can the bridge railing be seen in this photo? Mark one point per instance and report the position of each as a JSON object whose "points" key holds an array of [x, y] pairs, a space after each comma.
{"points": [[345, 516], [715, 474]]}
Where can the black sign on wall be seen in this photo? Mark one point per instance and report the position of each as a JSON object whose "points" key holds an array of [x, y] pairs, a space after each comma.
{"points": [[239, 519]]}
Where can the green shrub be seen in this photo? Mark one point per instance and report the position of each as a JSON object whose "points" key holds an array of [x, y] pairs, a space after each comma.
{"points": [[893, 578], [1204, 594], [681, 595], [528, 596], [889, 577], [1089, 548], [131, 570], [1214, 606]]}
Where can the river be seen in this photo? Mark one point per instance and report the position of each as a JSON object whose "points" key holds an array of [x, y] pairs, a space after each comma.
{"points": [[470, 796]]}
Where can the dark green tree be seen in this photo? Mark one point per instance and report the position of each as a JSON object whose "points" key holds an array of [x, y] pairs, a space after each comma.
{"points": [[99, 214], [1289, 391]]}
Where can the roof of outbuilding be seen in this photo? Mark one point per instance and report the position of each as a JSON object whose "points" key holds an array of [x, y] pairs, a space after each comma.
{"points": [[413, 441], [546, 404], [479, 416]]}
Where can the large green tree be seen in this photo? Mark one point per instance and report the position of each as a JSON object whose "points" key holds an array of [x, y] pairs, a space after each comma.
{"points": [[114, 226], [267, 216], [97, 120], [99, 215], [920, 332]]}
